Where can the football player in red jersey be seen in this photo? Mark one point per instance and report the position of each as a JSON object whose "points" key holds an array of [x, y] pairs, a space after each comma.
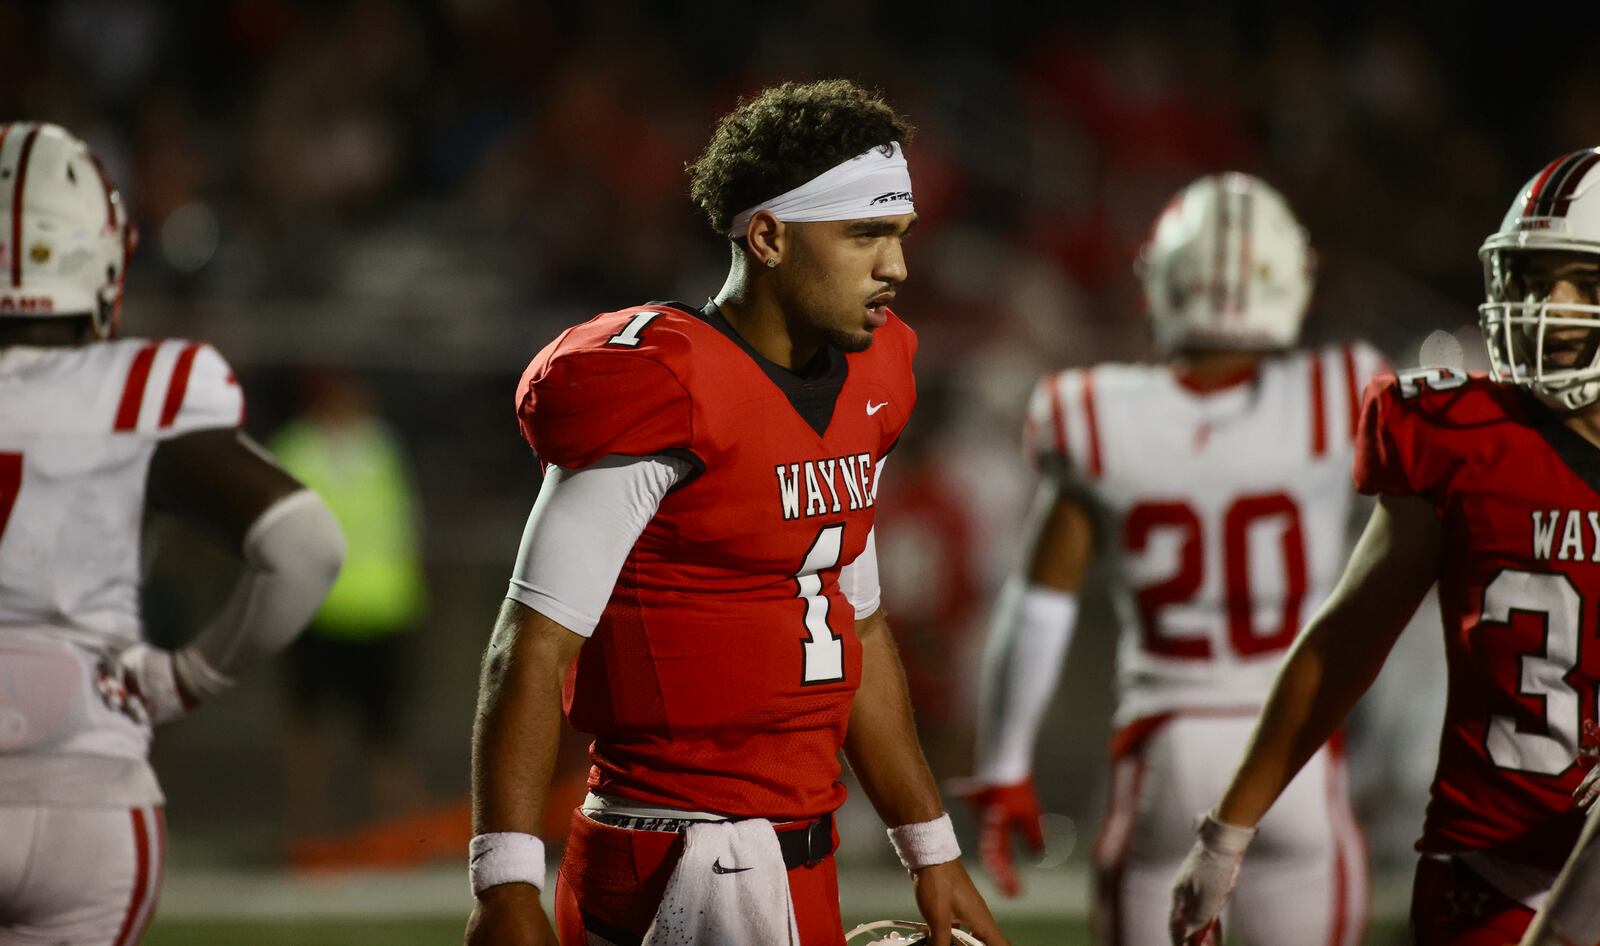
{"points": [[697, 584], [1491, 487]]}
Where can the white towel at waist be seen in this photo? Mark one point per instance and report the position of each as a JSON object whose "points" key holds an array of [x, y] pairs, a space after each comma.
{"points": [[730, 888]]}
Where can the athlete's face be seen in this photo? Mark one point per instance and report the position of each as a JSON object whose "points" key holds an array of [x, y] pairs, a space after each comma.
{"points": [[1563, 282], [838, 276]]}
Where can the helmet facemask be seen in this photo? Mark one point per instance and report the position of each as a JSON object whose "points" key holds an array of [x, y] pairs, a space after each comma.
{"points": [[1541, 322]]}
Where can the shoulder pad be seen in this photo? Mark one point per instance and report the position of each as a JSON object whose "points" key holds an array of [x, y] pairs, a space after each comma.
{"points": [[1417, 427], [608, 386], [174, 387]]}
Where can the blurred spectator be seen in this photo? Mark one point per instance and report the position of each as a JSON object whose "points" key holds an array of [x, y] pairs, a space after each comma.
{"points": [[356, 655]]}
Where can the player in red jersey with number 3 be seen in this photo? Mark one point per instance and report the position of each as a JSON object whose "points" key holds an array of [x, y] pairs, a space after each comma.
{"points": [[701, 557], [1491, 487]]}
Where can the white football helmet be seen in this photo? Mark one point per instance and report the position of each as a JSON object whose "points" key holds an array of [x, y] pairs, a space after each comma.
{"points": [[1227, 267], [64, 233], [1552, 348], [901, 933]]}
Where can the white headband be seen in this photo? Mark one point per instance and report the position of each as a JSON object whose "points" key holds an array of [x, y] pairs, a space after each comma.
{"points": [[871, 184]]}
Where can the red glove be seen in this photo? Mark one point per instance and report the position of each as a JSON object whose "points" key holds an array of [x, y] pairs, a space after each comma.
{"points": [[1001, 810]]}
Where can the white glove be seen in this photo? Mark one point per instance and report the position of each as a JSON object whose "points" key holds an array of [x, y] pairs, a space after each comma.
{"points": [[142, 681], [1205, 880]]}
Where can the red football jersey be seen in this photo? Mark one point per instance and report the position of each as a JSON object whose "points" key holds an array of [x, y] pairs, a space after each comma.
{"points": [[721, 674], [1519, 590]]}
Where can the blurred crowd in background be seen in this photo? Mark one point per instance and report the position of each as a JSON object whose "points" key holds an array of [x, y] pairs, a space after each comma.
{"points": [[415, 197]]}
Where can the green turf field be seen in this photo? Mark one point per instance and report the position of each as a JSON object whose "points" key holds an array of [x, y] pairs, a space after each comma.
{"points": [[448, 931]]}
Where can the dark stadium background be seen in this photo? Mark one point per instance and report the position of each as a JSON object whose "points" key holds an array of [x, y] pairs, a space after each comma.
{"points": [[423, 194]]}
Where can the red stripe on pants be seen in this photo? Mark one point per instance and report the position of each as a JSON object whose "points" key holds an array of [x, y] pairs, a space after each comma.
{"points": [[129, 933]]}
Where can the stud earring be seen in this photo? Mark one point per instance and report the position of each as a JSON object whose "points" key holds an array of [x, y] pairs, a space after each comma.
{"points": [[772, 262]]}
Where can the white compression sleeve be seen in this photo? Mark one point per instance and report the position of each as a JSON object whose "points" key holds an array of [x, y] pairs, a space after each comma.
{"points": [[581, 529], [859, 579], [1022, 661], [292, 554]]}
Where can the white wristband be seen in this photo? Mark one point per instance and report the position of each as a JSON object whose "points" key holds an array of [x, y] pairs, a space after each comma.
{"points": [[505, 857], [925, 843], [1219, 837]]}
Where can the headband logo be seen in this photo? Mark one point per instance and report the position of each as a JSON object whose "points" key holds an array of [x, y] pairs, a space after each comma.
{"points": [[889, 198]]}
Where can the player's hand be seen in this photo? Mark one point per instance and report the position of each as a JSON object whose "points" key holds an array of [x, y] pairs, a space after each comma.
{"points": [[945, 895], [1002, 810], [142, 682], [509, 915], [1588, 790], [1205, 880]]}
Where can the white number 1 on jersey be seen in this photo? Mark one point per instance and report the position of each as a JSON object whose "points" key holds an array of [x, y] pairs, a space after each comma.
{"points": [[824, 651]]}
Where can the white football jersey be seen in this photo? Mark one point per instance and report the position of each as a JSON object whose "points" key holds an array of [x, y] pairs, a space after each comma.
{"points": [[78, 429], [1227, 512]]}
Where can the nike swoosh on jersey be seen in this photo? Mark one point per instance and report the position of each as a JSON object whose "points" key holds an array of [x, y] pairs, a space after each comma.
{"points": [[717, 868], [875, 408]]}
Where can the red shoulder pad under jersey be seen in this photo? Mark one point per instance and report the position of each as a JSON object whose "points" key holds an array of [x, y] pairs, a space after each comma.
{"points": [[1422, 425], [608, 386]]}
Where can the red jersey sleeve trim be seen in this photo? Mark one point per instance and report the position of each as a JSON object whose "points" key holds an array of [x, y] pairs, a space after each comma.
{"points": [[179, 384], [1093, 426], [133, 390], [1058, 417], [1319, 422], [1352, 389]]}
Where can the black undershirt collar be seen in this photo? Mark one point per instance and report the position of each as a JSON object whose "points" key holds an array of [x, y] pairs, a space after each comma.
{"points": [[813, 391]]}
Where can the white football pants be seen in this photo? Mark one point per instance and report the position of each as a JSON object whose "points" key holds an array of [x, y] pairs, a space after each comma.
{"points": [[1304, 880], [79, 876]]}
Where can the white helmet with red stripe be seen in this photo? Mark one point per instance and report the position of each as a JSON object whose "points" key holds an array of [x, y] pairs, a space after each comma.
{"points": [[64, 234], [1227, 267], [1541, 275]]}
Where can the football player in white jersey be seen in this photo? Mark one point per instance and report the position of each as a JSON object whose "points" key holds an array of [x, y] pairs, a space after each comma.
{"points": [[93, 430], [1218, 486]]}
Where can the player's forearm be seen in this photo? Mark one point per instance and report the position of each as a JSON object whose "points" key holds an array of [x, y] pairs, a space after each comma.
{"points": [[1339, 654], [517, 730], [1313, 692], [1022, 663], [292, 554], [882, 744]]}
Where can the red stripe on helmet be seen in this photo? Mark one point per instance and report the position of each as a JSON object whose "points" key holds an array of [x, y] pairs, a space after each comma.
{"points": [[105, 182], [1560, 199], [1241, 301], [1219, 254], [16, 206], [1539, 183]]}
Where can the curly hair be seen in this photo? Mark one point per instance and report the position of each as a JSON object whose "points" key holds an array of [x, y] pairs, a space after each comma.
{"points": [[782, 138]]}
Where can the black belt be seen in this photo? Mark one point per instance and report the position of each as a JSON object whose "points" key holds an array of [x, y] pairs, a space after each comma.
{"points": [[804, 843]]}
